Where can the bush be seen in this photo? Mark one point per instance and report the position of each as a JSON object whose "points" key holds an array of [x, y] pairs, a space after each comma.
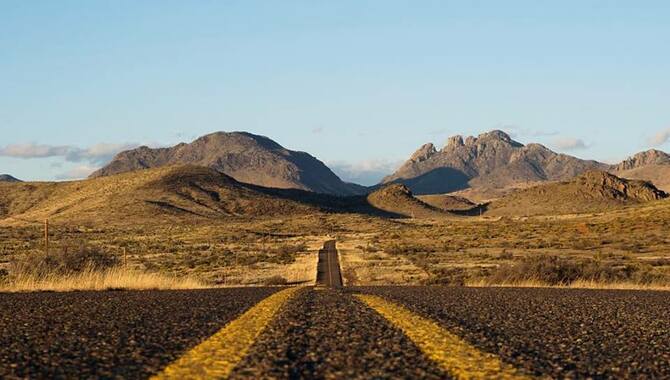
{"points": [[275, 280], [285, 254], [554, 270], [65, 262]]}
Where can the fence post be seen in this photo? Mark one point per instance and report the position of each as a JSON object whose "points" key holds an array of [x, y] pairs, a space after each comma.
{"points": [[46, 237]]}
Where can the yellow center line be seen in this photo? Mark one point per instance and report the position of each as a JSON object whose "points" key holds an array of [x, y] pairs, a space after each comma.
{"points": [[216, 357], [451, 353]]}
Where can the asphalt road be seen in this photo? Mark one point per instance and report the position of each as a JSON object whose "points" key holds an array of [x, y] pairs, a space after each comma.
{"points": [[328, 268], [124, 334], [560, 333], [330, 333]]}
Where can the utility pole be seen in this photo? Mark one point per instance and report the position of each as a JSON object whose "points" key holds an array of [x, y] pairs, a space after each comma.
{"points": [[46, 237]]}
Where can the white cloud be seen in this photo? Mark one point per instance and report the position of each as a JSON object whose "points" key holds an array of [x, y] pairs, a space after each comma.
{"points": [[367, 172], [660, 138], [78, 172], [96, 154], [569, 143], [517, 131]]}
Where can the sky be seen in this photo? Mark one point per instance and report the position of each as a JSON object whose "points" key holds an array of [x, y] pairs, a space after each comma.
{"points": [[358, 84]]}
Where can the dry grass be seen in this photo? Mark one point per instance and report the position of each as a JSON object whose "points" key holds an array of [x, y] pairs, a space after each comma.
{"points": [[300, 271], [364, 264], [110, 279], [247, 251]]}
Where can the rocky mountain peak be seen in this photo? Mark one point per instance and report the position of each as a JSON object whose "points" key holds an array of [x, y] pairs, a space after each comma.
{"points": [[495, 135], [454, 142], [425, 152], [649, 157], [492, 159], [8, 178]]}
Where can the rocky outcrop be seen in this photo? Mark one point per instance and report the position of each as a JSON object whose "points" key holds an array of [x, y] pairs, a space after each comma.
{"points": [[610, 186], [592, 191], [398, 199], [646, 158]]}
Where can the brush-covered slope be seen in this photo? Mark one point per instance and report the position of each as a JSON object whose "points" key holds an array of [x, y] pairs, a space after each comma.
{"points": [[491, 160], [141, 197], [447, 202], [244, 156], [8, 178], [592, 191], [398, 199]]}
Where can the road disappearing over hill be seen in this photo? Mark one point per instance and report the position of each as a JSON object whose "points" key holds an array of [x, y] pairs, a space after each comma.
{"points": [[328, 269]]}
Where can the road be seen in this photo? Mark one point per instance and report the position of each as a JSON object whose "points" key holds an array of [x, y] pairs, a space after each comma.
{"points": [[328, 269], [123, 334], [334, 332]]}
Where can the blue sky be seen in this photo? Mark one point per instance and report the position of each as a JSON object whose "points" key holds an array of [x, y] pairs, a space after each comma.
{"points": [[359, 84]]}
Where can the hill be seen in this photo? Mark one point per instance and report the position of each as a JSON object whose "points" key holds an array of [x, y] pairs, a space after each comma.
{"points": [[398, 199], [491, 160], [447, 202], [244, 156], [593, 191], [8, 178], [652, 165], [145, 196], [659, 175]]}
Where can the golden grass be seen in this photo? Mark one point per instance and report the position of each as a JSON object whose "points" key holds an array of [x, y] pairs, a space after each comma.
{"points": [[116, 278], [361, 268], [578, 284]]}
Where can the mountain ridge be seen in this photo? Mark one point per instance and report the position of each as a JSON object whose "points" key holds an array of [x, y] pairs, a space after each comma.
{"points": [[492, 158], [247, 157], [494, 161], [8, 178], [591, 191]]}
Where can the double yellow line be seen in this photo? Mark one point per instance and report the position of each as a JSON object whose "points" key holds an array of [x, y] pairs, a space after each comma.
{"points": [[455, 356], [216, 357]]}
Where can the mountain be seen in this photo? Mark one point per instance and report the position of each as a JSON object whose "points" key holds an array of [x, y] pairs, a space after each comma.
{"points": [[642, 159], [491, 160], [592, 191], [652, 165], [8, 178], [398, 199], [244, 156]]}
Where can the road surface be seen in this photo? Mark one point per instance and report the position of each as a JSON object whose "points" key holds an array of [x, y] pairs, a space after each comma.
{"points": [[328, 269], [334, 332]]}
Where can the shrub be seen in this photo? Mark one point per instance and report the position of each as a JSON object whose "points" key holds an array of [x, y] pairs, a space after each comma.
{"points": [[65, 262], [555, 270], [275, 280]]}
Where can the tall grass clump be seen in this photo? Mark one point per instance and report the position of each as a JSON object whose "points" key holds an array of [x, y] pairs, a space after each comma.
{"points": [[83, 268], [560, 271]]}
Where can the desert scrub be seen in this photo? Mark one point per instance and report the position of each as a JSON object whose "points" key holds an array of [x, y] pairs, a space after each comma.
{"points": [[63, 262], [84, 268], [554, 270]]}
